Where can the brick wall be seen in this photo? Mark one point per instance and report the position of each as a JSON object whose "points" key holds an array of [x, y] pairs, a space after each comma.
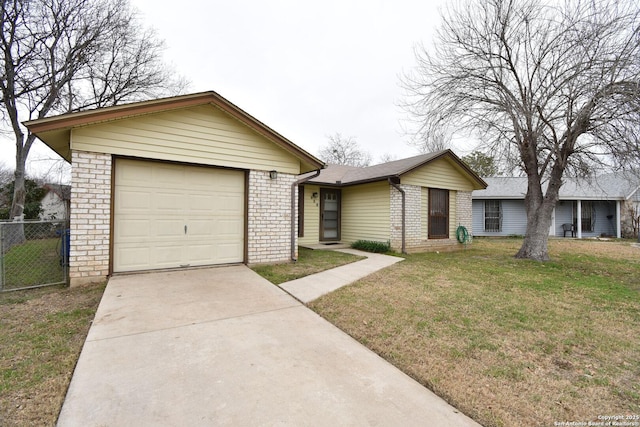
{"points": [[414, 234], [269, 228], [464, 211], [90, 217], [413, 224]]}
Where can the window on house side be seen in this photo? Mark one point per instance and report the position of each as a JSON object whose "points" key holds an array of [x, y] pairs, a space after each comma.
{"points": [[588, 215], [492, 215], [438, 213]]}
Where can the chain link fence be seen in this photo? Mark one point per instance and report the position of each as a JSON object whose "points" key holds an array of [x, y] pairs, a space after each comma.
{"points": [[33, 254]]}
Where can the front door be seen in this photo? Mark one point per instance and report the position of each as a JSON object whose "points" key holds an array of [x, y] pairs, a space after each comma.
{"points": [[329, 214]]}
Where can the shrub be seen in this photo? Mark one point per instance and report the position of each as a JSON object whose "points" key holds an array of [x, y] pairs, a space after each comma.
{"points": [[371, 246]]}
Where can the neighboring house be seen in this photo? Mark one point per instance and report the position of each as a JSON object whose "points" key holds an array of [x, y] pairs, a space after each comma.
{"points": [[415, 204], [190, 180], [600, 206], [56, 203]]}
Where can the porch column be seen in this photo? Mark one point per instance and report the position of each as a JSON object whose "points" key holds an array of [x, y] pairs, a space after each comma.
{"points": [[552, 229], [618, 231], [579, 218]]}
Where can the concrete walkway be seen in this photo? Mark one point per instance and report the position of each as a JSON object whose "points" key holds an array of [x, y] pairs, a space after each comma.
{"points": [[222, 346], [308, 288]]}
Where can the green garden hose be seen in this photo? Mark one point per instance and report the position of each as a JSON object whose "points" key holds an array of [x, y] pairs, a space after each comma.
{"points": [[462, 234]]}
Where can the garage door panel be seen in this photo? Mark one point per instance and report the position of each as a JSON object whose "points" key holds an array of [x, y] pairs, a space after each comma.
{"points": [[228, 228], [133, 229], [203, 202], [170, 176], [201, 228], [229, 251], [141, 176], [170, 229], [133, 258], [167, 256], [133, 201], [231, 205], [170, 202], [155, 201], [200, 254]]}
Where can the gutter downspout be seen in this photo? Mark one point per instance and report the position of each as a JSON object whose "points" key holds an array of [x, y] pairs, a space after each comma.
{"points": [[404, 202], [293, 211]]}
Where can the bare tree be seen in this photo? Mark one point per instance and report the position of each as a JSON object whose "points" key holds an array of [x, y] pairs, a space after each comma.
{"points": [[66, 55], [6, 175], [386, 158], [553, 88], [344, 151], [435, 139]]}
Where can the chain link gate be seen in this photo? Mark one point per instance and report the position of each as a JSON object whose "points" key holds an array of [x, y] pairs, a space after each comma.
{"points": [[33, 254]]}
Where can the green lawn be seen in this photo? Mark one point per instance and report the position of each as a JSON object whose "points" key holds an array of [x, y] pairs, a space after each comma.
{"points": [[507, 341], [309, 262], [41, 334], [33, 263]]}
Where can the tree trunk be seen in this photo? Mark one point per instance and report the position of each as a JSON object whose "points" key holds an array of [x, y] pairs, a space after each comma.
{"points": [[539, 207], [19, 189], [19, 192], [535, 241]]}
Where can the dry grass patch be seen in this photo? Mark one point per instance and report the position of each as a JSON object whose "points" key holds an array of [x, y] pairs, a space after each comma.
{"points": [[507, 341], [41, 334]]}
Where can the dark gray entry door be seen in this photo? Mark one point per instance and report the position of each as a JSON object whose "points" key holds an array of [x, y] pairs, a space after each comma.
{"points": [[329, 214]]}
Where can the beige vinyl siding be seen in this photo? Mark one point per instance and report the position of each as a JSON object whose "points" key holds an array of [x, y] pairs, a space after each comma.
{"points": [[311, 216], [203, 135], [441, 173], [366, 212]]}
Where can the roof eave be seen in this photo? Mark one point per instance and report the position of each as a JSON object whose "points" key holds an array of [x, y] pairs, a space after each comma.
{"points": [[448, 153], [66, 122], [351, 183]]}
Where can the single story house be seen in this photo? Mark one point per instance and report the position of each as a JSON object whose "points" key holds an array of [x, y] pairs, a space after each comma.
{"points": [[599, 206], [56, 203], [415, 204], [184, 181]]}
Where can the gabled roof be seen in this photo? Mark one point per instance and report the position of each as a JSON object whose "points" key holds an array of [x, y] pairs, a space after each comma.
{"points": [[341, 175], [60, 190], [55, 131], [612, 186]]}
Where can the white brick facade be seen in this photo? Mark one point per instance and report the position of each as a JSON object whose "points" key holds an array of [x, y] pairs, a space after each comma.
{"points": [[415, 236], [269, 227], [464, 211], [90, 217], [413, 226]]}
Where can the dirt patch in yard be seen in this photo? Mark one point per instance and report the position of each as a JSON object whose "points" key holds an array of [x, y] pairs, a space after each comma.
{"points": [[41, 334]]}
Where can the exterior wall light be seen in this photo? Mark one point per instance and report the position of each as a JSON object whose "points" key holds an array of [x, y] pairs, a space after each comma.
{"points": [[273, 174]]}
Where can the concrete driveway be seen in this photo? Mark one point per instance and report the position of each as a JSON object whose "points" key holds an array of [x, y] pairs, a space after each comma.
{"points": [[222, 346]]}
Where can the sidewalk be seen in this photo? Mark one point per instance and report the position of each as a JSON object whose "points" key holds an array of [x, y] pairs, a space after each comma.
{"points": [[308, 288]]}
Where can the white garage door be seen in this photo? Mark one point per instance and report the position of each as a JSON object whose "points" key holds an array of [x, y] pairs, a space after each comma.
{"points": [[169, 215]]}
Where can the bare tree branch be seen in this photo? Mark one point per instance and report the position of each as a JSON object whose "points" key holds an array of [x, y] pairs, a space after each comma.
{"points": [[551, 88], [344, 151], [60, 56]]}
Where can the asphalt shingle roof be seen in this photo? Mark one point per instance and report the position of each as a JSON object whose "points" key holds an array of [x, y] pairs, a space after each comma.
{"points": [[612, 186], [345, 175]]}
